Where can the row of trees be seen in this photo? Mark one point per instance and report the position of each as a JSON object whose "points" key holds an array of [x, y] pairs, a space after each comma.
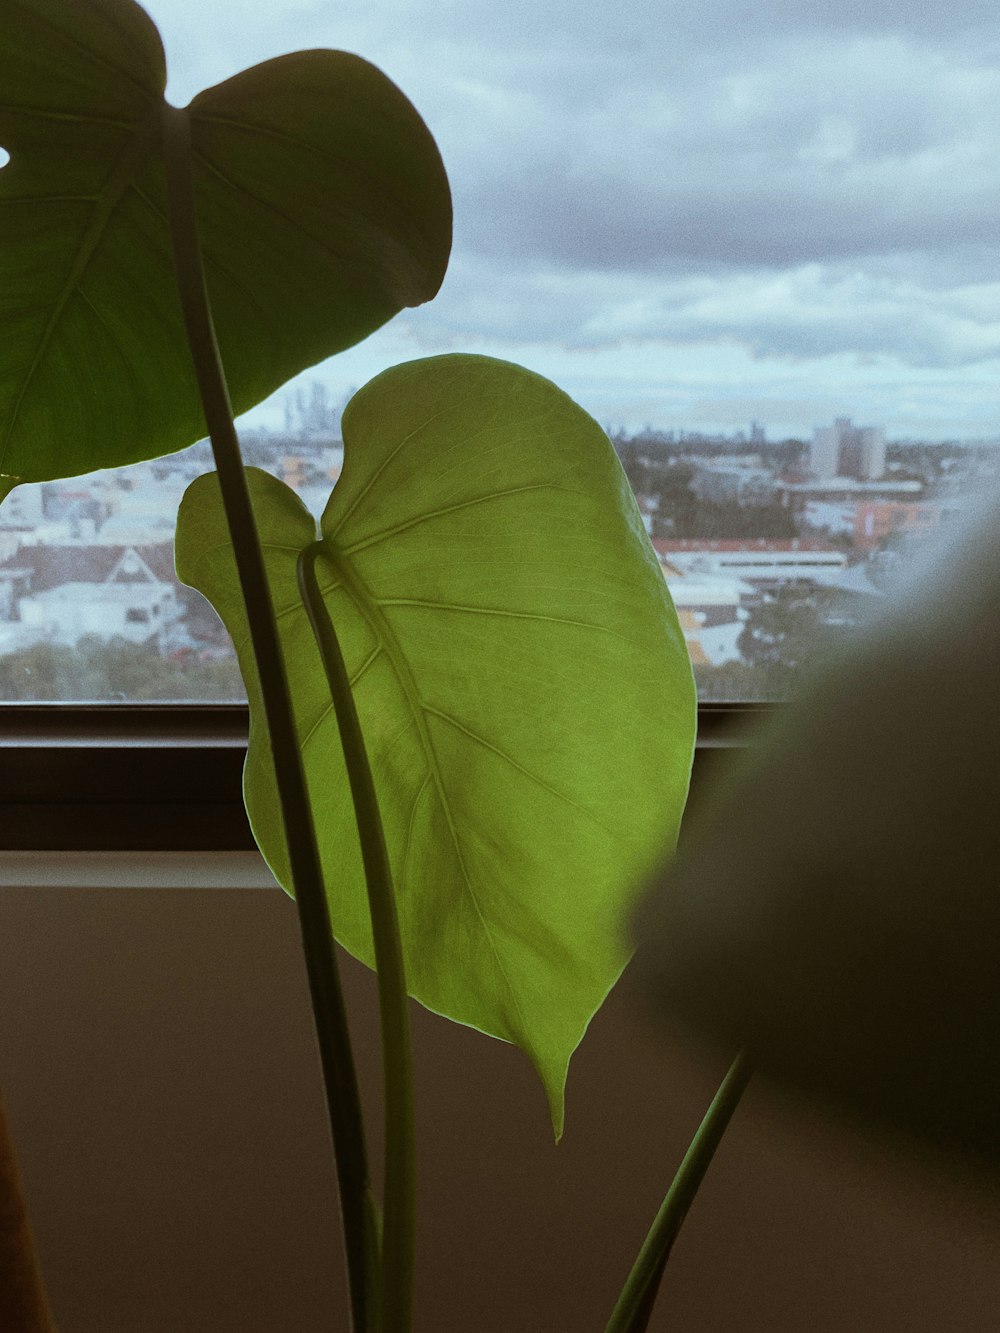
{"points": [[780, 635], [114, 669], [784, 631], [794, 626], [683, 516]]}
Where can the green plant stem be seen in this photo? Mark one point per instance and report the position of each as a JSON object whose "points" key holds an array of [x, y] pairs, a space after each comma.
{"points": [[399, 1202], [635, 1304], [339, 1074]]}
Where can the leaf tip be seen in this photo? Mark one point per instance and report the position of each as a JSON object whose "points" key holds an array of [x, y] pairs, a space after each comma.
{"points": [[553, 1078]]}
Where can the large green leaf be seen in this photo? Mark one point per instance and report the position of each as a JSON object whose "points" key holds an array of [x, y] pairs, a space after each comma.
{"points": [[836, 906], [323, 210], [521, 679]]}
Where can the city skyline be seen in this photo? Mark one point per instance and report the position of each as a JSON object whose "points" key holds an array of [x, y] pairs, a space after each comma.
{"points": [[290, 411]]}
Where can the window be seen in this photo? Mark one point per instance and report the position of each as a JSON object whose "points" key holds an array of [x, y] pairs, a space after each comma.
{"points": [[754, 244]]}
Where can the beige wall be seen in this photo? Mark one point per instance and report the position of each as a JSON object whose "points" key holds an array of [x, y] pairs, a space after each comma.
{"points": [[156, 1056]]}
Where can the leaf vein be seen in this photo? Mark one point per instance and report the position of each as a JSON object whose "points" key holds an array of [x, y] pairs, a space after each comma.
{"points": [[525, 772], [269, 132], [416, 522], [410, 435], [370, 609], [210, 261], [86, 51], [502, 612], [353, 680], [73, 117], [407, 846], [236, 187], [105, 206], [115, 341], [328, 707]]}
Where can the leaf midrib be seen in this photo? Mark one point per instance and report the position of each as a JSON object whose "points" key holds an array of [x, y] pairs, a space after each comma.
{"points": [[361, 594]]}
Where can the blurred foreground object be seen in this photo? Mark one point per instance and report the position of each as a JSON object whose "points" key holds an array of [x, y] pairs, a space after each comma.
{"points": [[835, 908], [23, 1308]]}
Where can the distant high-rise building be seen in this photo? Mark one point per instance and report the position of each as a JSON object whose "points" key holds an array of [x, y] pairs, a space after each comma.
{"points": [[310, 414], [317, 414], [824, 453], [846, 450], [871, 447], [758, 435]]}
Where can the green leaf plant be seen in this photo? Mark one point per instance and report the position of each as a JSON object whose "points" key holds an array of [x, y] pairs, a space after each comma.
{"points": [[520, 679], [472, 711]]}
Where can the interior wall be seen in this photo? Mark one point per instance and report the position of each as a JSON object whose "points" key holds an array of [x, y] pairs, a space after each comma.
{"points": [[158, 1063]]}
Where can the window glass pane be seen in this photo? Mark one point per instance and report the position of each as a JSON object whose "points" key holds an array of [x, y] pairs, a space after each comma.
{"points": [[756, 242]]}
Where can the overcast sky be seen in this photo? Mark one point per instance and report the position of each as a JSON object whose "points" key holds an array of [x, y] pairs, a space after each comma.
{"points": [[690, 215]]}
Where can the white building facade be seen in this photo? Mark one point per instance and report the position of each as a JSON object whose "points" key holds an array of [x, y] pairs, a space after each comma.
{"points": [[846, 450], [130, 603]]}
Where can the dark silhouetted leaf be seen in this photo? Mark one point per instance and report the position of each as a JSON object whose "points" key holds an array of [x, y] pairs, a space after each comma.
{"points": [[323, 210]]}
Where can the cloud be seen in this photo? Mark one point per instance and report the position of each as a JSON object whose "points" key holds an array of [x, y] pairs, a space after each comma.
{"points": [[909, 312], [658, 137], [791, 179], [821, 151]]}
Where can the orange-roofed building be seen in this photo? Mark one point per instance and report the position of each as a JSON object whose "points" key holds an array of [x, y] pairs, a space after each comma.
{"points": [[875, 520]]}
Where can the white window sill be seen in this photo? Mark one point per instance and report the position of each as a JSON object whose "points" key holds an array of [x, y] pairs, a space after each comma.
{"points": [[135, 870]]}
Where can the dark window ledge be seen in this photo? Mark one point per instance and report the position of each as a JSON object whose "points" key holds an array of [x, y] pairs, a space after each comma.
{"points": [[145, 777], [122, 777]]}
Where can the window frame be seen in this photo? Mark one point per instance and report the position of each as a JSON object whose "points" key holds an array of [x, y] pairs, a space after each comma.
{"points": [[168, 777]]}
